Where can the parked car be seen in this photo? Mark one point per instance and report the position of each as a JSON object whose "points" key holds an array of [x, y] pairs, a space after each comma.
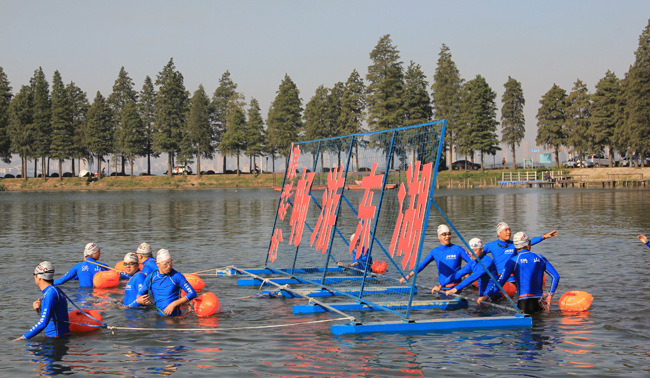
{"points": [[181, 170], [576, 162], [464, 164], [598, 160]]}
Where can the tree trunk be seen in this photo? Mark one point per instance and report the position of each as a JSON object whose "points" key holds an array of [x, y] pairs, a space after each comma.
{"points": [[170, 158], [23, 169], [514, 159], [35, 167], [482, 163], [238, 171], [198, 160], [149, 163], [131, 163], [224, 163], [60, 170], [43, 170], [99, 167], [557, 158]]}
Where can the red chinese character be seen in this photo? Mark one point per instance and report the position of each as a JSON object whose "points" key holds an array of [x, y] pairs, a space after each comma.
{"points": [[284, 197], [327, 217], [293, 162], [408, 227], [275, 242], [366, 211], [300, 206]]}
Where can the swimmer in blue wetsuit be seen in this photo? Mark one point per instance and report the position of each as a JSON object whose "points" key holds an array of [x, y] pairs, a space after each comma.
{"points": [[487, 290], [529, 269], [144, 258], [503, 248], [644, 240], [364, 258], [447, 257], [136, 281], [53, 307], [85, 270], [163, 287]]}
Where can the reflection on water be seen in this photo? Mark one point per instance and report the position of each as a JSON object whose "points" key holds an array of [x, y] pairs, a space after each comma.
{"points": [[596, 251]]}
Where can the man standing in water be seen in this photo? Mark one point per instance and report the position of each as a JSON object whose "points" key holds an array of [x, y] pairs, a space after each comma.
{"points": [[529, 269], [447, 256], [53, 307], [503, 248], [136, 281], [85, 270], [487, 290], [144, 258], [162, 288]]}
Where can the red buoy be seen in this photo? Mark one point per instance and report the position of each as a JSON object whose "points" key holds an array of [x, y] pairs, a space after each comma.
{"points": [[575, 301], [206, 304], [106, 279], [510, 289], [195, 281], [379, 267], [80, 322]]}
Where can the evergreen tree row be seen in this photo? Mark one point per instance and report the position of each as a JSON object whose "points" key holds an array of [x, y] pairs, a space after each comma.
{"points": [[39, 123]]}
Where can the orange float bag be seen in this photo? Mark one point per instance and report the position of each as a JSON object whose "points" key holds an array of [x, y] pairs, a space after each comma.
{"points": [[575, 301], [206, 304], [80, 322], [106, 279]]}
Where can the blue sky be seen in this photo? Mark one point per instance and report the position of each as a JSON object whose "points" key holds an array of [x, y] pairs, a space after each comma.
{"points": [[538, 43]]}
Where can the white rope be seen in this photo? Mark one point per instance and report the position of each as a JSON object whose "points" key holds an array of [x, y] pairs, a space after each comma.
{"points": [[113, 328]]}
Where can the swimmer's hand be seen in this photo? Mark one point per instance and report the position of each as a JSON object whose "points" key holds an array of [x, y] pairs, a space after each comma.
{"points": [[451, 291], [37, 305], [481, 299], [143, 299], [436, 288]]}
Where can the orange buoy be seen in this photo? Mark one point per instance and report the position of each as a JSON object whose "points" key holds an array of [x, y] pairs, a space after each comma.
{"points": [[106, 279], [196, 281], [575, 301], [120, 266], [379, 267], [80, 322], [510, 289], [206, 304]]}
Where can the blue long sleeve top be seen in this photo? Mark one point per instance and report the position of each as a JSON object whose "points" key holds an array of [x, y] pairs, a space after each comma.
{"points": [[133, 288], [83, 271], [529, 269], [165, 289], [54, 315], [485, 285], [502, 251], [149, 266], [448, 259]]}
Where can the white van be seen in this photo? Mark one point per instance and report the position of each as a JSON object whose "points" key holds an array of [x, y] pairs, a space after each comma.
{"points": [[598, 160]]}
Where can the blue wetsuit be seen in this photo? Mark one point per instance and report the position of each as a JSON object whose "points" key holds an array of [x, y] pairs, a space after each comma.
{"points": [[84, 272], [485, 285], [529, 268], [166, 288], [54, 315], [149, 266], [447, 259], [363, 260], [502, 251], [648, 243], [133, 288]]}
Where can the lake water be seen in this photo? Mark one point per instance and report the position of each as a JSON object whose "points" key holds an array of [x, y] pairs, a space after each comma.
{"points": [[596, 251]]}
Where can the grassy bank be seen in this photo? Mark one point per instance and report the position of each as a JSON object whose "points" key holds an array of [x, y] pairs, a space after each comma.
{"points": [[267, 180]]}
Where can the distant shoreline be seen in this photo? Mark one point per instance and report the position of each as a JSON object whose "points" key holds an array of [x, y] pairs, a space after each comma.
{"points": [[445, 179]]}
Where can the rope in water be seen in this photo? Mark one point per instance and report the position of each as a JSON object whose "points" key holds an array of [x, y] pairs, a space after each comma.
{"points": [[114, 328]]}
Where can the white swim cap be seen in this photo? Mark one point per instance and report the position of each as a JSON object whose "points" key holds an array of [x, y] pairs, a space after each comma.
{"points": [[442, 229], [45, 270], [163, 255], [521, 240], [351, 237], [90, 249], [501, 226], [144, 249], [475, 243], [130, 257]]}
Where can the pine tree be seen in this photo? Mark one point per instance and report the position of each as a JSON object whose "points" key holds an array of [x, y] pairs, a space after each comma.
{"points": [[199, 130], [233, 140], [42, 118], [417, 102], [636, 97], [284, 117], [255, 132], [123, 94], [353, 109], [385, 86], [605, 116], [146, 109], [131, 135], [21, 126], [171, 111], [513, 122], [446, 88], [224, 93], [99, 140], [578, 119], [79, 108], [62, 125], [551, 122], [478, 124], [316, 119], [5, 101]]}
